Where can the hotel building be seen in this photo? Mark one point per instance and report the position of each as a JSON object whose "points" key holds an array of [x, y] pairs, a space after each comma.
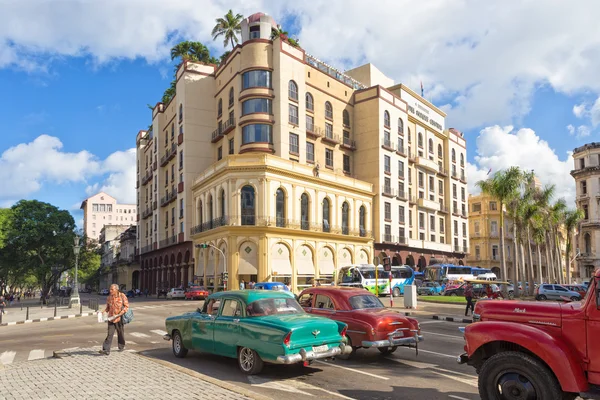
{"points": [[101, 209]]}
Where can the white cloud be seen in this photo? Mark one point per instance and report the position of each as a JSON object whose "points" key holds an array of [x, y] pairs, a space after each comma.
{"points": [[579, 110], [25, 168], [582, 131], [571, 129], [595, 113], [499, 148]]}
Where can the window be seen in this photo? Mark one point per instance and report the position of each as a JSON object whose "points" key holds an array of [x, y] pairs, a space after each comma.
{"points": [[324, 302], [462, 160], [231, 308], [440, 154], [401, 189], [293, 91], [387, 185], [247, 205], [401, 145], [441, 225], [441, 188], [346, 118], [400, 126], [462, 193], [386, 119], [401, 213], [464, 231], [388, 211], [304, 212], [180, 112], [310, 104], [329, 131], [588, 244], [222, 200], [329, 158], [362, 214], [346, 163], [231, 146], [326, 215], [494, 227], [220, 108], [220, 153], [258, 133], [181, 159], [585, 211], [454, 191], [455, 228], [421, 180], [583, 187], [388, 233], [386, 139], [172, 131], [310, 152], [252, 106], [345, 218], [410, 219], [280, 208], [293, 118], [420, 140], [430, 146], [256, 78], [476, 207], [386, 164], [401, 169], [409, 176], [476, 227], [453, 156], [493, 206], [494, 252], [421, 221], [294, 144], [328, 110], [181, 208], [310, 123]]}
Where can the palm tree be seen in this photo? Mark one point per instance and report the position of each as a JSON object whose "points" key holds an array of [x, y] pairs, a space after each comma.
{"points": [[169, 93], [532, 213], [229, 27], [279, 33], [502, 186], [538, 234], [191, 51], [294, 42], [572, 218], [556, 219]]}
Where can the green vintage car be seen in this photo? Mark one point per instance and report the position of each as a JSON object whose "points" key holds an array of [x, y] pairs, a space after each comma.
{"points": [[256, 326]]}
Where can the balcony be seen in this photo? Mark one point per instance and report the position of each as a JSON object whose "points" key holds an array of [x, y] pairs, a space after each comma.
{"points": [[442, 171], [455, 211], [388, 145], [412, 158], [459, 249], [147, 177], [168, 241], [463, 214], [389, 238], [402, 195], [348, 144], [313, 132], [590, 222], [429, 204], [402, 240], [331, 139], [388, 191], [443, 208], [463, 178], [223, 130], [427, 164], [169, 154], [147, 212], [454, 175], [412, 200], [169, 197], [401, 151], [146, 249]]}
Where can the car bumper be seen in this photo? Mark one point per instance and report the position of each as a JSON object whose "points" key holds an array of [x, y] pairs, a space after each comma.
{"points": [[304, 355], [394, 340], [463, 358]]}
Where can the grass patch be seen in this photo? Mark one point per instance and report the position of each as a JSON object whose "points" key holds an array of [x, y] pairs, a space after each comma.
{"points": [[443, 299]]}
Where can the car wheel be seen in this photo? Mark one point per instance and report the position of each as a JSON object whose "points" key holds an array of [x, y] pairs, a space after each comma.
{"points": [[249, 361], [516, 375], [396, 292], [453, 294], [347, 356], [178, 348], [511, 295], [575, 298], [542, 297], [387, 350]]}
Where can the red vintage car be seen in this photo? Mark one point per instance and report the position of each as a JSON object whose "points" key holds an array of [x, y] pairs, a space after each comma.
{"points": [[196, 292], [370, 324]]}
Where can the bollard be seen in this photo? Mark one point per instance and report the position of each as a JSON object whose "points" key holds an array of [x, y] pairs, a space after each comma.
{"points": [[55, 308], [1, 316], [27, 317], [80, 308]]}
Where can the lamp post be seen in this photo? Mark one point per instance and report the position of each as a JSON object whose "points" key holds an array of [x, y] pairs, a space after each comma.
{"points": [[225, 274], [75, 294]]}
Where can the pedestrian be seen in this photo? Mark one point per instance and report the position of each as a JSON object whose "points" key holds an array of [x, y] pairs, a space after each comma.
{"points": [[116, 305], [146, 292], [469, 298], [242, 285], [2, 305]]}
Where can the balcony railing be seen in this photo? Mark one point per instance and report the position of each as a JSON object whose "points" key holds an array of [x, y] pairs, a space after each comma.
{"points": [[169, 154], [223, 130], [388, 145], [147, 212], [388, 238], [402, 195], [443, 208], [388, 191], [442, 171], [147, 177], [412, 158], [333, 139], [463, 178], [146, 249], [460, 249], [349, 144], [454, 174], [401, 150], [331, 71], [168, 241], [402, 240], [169, 197]]}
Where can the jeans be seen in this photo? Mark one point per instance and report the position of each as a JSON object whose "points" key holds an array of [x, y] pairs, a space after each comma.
{"points": [[469, 305], [120, 328]]}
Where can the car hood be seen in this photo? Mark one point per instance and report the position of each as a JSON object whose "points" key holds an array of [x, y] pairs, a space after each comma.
{"points": [[526, 312]]}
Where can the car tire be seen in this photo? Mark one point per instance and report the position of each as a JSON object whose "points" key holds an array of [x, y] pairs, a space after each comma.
{"points": [[387, 350], [511, 295], [249, 361], [348, 356], [179, 349], [575, 298], [396, 292], [542, 297], [453, 294], [519, 373]]}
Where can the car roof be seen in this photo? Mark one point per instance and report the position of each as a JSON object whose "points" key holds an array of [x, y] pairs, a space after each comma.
{"points": [[250, 295]]}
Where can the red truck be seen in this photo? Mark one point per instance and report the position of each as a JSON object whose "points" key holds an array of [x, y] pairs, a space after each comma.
{"points": [[536, 350]]}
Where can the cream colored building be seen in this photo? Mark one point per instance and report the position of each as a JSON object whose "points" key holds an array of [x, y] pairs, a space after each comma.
{"points": [[119, 261], [101, 209], [587, 187]]}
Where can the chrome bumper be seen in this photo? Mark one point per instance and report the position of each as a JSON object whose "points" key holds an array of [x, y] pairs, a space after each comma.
{"points": [[304, 355], [463, 358], [391, 341]]}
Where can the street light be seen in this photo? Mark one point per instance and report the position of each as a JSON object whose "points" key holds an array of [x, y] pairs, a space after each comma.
{"points": [[225, 274], [75, 294]]}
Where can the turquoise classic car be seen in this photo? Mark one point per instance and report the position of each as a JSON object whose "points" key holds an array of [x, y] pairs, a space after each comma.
{"points": [[257, 327]]}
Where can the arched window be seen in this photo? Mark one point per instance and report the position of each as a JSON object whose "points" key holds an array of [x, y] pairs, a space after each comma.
{"points": [[400, 126], [386, 119], [180, 112], [210, 211], [304, 212], [420, 140], [220, 108], [430, 142], [231, 97], [280, 208], [362, 219], [453, 155], [462, 160], [222, 199], [293, 90], [588, 244], [345, 218], [248, 205], [440, 154], [200, 213], [346, 118], [328, 110], [310, 104], [326, 215]]}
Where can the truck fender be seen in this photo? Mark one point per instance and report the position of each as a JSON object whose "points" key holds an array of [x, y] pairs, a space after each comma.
{"points": [[558, 356]]}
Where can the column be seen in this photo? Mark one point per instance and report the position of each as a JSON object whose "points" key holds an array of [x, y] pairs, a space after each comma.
{"points": [[186, 278], [178, 276]]}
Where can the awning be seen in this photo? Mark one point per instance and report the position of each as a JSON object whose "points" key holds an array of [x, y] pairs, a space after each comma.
{"points": [[304, 261], [247, 267], [326, 266], [281, 266], [210, 267]]}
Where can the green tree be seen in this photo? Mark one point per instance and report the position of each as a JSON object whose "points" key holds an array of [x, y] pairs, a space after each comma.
{"points": [[571, 220], [279, 33], [229, 27], [169, 93], [191, 51]]}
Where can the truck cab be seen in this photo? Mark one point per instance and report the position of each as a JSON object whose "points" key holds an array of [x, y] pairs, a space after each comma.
{"points": [[536, 350]]}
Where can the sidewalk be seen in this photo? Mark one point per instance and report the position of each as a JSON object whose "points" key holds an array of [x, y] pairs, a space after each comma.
{"points": [[15, 315], [446, 312], [83, 373]]}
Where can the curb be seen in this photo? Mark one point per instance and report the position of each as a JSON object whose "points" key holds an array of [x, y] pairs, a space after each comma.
{"points": [[225, 385], [29, 321], [452, 319]]}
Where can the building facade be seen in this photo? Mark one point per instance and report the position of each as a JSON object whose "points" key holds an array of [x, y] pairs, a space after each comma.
{"points": [[101, 209], [586, 173], [118, 259]]}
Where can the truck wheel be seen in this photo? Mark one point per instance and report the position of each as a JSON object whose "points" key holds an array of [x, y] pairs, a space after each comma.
{"points": [[396, 292], [178, 348], [514, 375], [249, 361]]}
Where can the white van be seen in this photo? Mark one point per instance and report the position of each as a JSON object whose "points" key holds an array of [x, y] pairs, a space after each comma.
{"points": [[488, 277]]}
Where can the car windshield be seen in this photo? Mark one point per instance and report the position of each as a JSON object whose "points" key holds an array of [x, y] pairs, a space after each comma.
{"points": [[365, 301], [274, 306]]}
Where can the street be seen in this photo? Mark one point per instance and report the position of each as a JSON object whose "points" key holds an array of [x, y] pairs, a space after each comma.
{"points": [[433, 374]]}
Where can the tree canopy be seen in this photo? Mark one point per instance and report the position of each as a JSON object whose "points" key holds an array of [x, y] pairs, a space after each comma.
{"points": [[229, 27]]}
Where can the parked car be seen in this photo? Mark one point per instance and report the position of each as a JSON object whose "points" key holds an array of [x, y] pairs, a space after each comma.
{"points": [[556, 292], [429, 289], [196, 292], [175, 293], [370, 324], [478, 290], [256, 327], [271, 286], [577, 288]]}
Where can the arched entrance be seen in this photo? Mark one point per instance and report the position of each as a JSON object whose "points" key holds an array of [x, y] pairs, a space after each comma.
{"points": [[496, 271], [281, 266], [422, 264], [460, 262], [248, 265], [135, 280], [379, 259], [410, 261], [396, 260]]}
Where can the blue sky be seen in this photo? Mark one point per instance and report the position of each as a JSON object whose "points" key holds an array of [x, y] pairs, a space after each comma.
{"points": [[84, 76]]}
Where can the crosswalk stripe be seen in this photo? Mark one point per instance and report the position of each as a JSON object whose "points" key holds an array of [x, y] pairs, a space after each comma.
{"points": [[130, 342], [139, 335], [7, 357], [35, 354], [159, 332]]}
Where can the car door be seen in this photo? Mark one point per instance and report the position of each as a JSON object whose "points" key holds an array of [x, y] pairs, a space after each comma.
{"points": [[592, 330], [227, 328], [203, 325], [560, 292]]}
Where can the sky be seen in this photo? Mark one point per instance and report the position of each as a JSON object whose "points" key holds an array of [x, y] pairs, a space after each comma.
{"points": [[520, 79]]}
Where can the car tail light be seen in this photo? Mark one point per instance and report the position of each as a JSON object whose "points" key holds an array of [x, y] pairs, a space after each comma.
{"points": [[343, 333], [287, 339]]}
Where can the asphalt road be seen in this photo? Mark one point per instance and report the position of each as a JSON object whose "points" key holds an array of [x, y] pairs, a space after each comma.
{"points": [[433, 374]]}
